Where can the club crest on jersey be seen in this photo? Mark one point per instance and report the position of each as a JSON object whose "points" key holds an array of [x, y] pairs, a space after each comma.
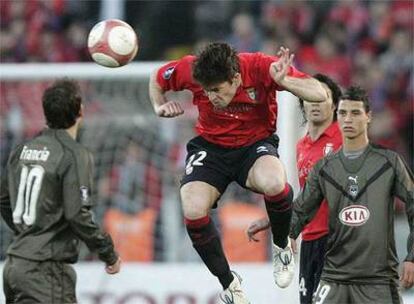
{"points": [[84, 194], [252, 93], [328, 149], [168, 72], [353, 188], [354, 215]]}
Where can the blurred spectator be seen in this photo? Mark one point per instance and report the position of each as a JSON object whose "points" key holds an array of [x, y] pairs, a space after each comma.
{"points": [[245, 37], [324, 57], [44, 30], [380, 22], [353, 15], [212, 19], [399, 57], [136, 183]]}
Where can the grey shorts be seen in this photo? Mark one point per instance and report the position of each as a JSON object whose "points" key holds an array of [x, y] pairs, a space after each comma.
{"points": [[337, 293], [26, 281]]}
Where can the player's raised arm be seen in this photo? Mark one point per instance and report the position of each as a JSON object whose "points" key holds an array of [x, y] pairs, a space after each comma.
{"points": [[306, 88], [162, 107]]}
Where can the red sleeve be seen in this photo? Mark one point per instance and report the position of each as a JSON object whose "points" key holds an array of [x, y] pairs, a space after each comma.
{"points": [[337, 141], [176, 75], [264, 61]]}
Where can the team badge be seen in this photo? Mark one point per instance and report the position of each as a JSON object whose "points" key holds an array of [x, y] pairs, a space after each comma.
{"points": [[252, 93], [84, 194], [168, 72], [328, 149], [353, 186]]}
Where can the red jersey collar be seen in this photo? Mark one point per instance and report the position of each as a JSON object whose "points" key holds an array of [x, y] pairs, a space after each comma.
{"points": [[330, 131]]}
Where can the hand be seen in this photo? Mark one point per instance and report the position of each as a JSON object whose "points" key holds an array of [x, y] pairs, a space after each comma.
{"points": [[293, 245], [255, 227], [169, 109], [114, 268], [278, 70], [407, 275]]}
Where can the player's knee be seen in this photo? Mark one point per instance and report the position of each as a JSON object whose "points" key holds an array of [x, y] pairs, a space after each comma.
{"points": [[197, 199], [194, 210], [194, 206], [273, 186]]}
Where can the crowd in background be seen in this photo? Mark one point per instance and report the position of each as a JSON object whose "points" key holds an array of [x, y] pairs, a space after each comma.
{"points": [[369, 43], [353, 41]]}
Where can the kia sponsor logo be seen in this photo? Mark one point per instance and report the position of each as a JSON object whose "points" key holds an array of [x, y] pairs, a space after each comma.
{"points": [[354, 215]]}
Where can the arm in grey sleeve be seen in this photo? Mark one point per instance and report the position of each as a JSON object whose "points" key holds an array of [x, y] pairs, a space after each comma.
{"points": [[5, 207], [77, 209], [404, 190], [307, 203]]}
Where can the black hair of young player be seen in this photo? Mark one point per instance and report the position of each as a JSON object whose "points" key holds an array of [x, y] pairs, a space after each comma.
{"points": [[216, 63], [335, 92], [356, 93], [62, 104]]}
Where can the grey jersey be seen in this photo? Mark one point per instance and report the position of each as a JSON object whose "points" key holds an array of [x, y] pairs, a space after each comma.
{"points": [[46, 199], [360, 194]]}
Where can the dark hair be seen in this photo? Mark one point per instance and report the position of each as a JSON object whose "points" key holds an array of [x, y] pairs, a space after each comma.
{"points": [[62, 104], [333, 87], [217, 63], [357, 93]]}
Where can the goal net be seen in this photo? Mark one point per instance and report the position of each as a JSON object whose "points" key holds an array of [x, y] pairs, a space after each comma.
{"points": [[138, 158]]}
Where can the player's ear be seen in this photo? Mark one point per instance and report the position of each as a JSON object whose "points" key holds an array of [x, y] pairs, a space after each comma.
{"points": [[237, 78], [81, 111], [369, 114]]}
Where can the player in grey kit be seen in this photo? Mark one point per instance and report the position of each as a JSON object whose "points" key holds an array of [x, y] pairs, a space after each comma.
{"points": [[46, 199], [360, 183]]}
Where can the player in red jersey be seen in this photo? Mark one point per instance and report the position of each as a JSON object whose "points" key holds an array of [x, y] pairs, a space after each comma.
{"points": [[323, 137], [236, 99]]}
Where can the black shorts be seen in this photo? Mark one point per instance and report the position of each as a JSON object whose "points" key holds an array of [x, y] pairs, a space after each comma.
{"points": [[219, 166], [312, 258], [26, 281]]}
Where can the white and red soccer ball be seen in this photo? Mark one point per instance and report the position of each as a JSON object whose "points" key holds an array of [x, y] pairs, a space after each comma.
{"points": [[112, 43]]}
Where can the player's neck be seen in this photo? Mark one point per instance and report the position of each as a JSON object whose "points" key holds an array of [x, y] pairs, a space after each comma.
{"points": [[73, 131], [316, 130], [355, 144]]}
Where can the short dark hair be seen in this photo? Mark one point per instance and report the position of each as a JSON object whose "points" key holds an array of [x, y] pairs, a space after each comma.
{"points": [[62, 104], [333, 87], [356, 93], [217, 63]]}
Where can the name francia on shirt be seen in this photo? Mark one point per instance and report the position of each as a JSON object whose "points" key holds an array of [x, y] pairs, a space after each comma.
{"points": [[241, 108], [32, 154]]}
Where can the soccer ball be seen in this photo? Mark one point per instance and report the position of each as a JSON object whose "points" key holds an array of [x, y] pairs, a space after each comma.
{"points": [[112, 43]]}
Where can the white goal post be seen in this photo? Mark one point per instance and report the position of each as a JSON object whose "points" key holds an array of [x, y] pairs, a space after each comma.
{"points": [[39, 71], [118, 112]]}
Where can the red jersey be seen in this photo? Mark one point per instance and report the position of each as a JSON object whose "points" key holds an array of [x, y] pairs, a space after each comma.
{"points": [[308, 153], [249, 117]]}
